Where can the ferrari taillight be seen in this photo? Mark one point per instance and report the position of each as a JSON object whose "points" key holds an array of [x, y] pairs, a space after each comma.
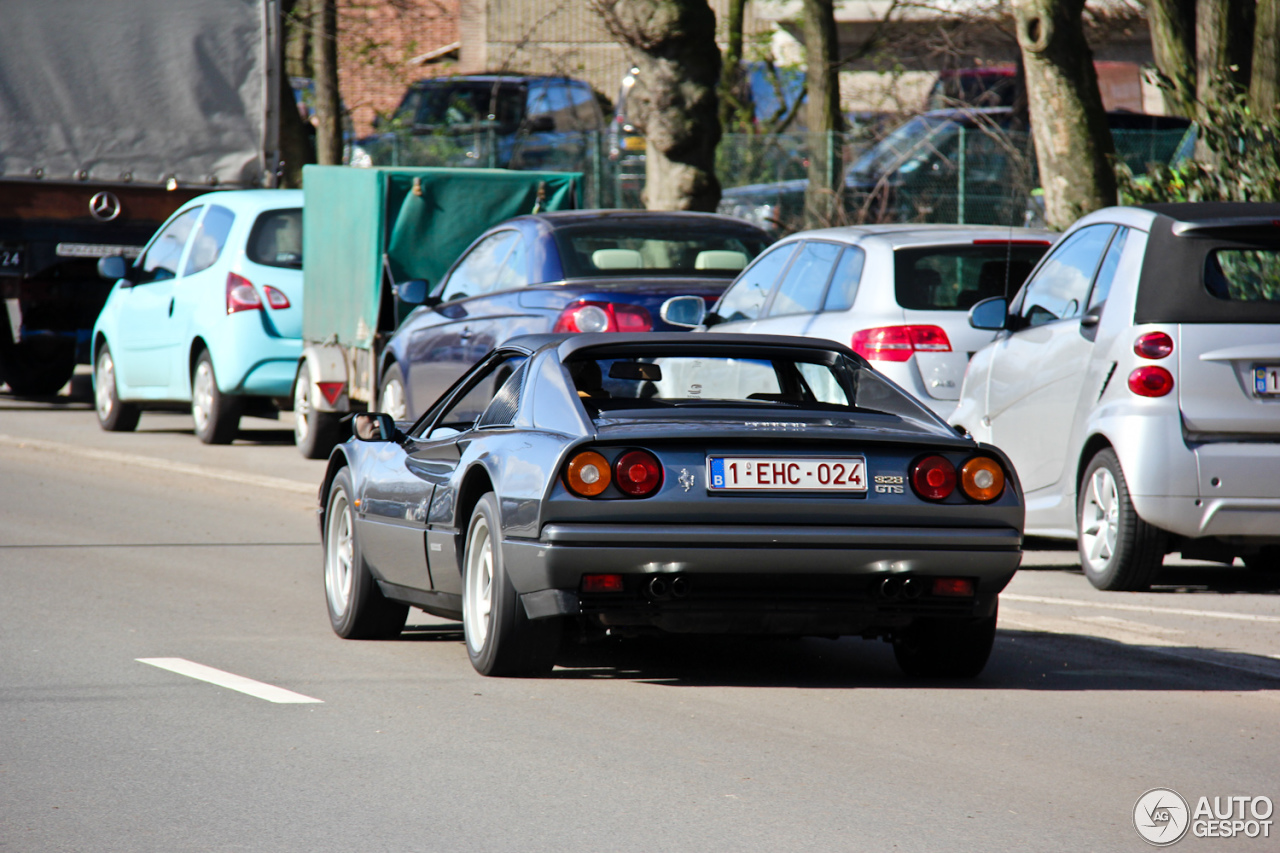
{"points": [[587, 474], [638, 473], [899, 343], [982, 479], [240, 294], [590, 316], [933, 478]]}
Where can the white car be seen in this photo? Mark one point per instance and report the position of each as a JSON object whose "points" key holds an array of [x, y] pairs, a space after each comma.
{"points": [[1135, 384], [895, 294]]}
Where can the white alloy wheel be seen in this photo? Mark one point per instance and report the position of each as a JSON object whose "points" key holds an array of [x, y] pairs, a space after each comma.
{"points": [[202, 391], [302, 407], [477, 599], [339, 557], [1099, 519], [104, 386]]}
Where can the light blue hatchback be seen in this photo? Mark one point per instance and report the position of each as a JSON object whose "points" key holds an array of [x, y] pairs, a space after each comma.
{"points": [[210, 313]]}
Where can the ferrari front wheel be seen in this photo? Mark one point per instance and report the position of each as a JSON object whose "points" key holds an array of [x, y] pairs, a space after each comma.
{"points": [[357, 608], [501, 639], [946, 648]]}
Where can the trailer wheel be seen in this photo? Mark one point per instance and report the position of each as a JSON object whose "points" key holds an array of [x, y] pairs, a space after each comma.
{"points": [[315, 433], [40, 367]]}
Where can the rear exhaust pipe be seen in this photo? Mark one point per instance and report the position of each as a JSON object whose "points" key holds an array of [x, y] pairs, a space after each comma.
{"points": [[912, 588], [891, 587], [659, 588], [679, 587]]}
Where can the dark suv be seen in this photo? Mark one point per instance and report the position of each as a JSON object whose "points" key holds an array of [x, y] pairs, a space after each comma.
{"points": [[488, 120]]}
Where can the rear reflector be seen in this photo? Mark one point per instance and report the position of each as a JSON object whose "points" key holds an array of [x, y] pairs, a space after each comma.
{"points": [[602, 583], [899, 343], [953, 587], [331, 390], [1151, 381]]}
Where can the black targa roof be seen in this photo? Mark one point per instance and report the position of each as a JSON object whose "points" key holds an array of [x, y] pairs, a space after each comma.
{"points": [[1172, 288]]}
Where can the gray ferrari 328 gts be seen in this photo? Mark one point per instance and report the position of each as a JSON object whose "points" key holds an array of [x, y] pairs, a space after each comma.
{"points": [[578, 485]]}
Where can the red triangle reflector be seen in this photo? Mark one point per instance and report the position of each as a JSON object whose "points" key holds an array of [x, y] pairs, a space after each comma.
{"points": [[331, 390]]}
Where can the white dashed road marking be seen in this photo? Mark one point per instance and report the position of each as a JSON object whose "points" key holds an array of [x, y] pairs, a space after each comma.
{"points": [[229, 680], [1138, 608]]}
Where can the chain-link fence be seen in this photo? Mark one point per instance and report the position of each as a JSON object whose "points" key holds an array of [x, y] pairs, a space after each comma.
{"points": [[926, 170]]}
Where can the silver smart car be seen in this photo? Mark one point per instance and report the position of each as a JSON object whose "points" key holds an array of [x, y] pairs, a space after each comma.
{"points": [[895, 294], [1135, 384]]}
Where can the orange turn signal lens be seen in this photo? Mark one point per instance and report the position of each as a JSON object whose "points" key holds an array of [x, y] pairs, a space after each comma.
{"points": [[588, 474], [982, 478]]}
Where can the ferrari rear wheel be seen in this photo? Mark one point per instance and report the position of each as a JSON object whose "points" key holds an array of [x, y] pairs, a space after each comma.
{"points": [[357, 608], [946, 648], [501, 639], [1118, 550]]}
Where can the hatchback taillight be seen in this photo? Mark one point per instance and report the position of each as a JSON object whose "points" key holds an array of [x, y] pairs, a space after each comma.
{"points": [[899, 343], [1153, 345], [590, 316], [240, 294], [1150, 381], [275, 298]]}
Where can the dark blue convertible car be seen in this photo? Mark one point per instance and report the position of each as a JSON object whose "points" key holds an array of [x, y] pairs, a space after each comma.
{"points": [[573, 485], [575, 271]]}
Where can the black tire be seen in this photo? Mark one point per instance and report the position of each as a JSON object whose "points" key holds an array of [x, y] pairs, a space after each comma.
{"points": [[38, 368], [315, 433], [1265, 560], [216, 415], [357, 608], [391, 398], [946, 648], [1118, 550], [502, 641], [113, 415]]}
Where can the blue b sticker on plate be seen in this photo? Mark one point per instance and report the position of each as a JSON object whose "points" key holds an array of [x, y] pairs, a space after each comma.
{"points": [[717, 473]]}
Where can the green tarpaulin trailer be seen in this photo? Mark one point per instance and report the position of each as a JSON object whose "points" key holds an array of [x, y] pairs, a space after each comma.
{"points": [[365, 230]]}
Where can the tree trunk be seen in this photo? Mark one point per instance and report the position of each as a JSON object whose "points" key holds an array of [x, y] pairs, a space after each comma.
{"points": [[1073, 142], [296, 148], [1173, 42], [673, 43], [1264, 83], [731, 70], [822, 81], [325, 53]]}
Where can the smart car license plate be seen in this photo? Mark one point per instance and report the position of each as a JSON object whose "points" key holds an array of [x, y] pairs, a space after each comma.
{"points": [[1266, 380], [765, 473]]}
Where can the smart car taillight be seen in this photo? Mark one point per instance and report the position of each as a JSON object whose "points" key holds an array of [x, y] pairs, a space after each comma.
{"points": [[240, 294], [899, 343], [590, 316], [275, 298], [982, 479], [933, 478], [587, 474], [1153, 345], [638, 473], [1150, 381]]}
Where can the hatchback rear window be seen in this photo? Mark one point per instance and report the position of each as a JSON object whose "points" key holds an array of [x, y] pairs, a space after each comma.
{"points": [[1243, 275], [276, 240], [953, 278]]}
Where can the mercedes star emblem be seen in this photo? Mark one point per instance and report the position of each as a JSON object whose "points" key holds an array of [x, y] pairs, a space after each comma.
{"points": [[104, 206]]}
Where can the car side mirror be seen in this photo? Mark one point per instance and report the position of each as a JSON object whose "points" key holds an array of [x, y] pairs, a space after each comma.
{"points": [[412, 292], [687, 312], [373, 426], [113, 268], [991, 314]]}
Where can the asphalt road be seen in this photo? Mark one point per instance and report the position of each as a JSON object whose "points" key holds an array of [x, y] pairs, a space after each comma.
{"points": [[116, 548]]}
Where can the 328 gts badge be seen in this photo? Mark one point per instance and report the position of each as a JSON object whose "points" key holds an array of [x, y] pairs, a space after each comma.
{"points": [[888, 484]]}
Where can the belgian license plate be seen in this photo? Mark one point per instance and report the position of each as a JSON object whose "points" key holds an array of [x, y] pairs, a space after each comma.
{"points": [[1266, 379], [768, 473], [12, 256]]}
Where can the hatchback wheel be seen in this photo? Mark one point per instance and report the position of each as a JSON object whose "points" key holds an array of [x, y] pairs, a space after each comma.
{"points": [[216, 415], [113, 415], [501, 639], [1118, 550]]}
